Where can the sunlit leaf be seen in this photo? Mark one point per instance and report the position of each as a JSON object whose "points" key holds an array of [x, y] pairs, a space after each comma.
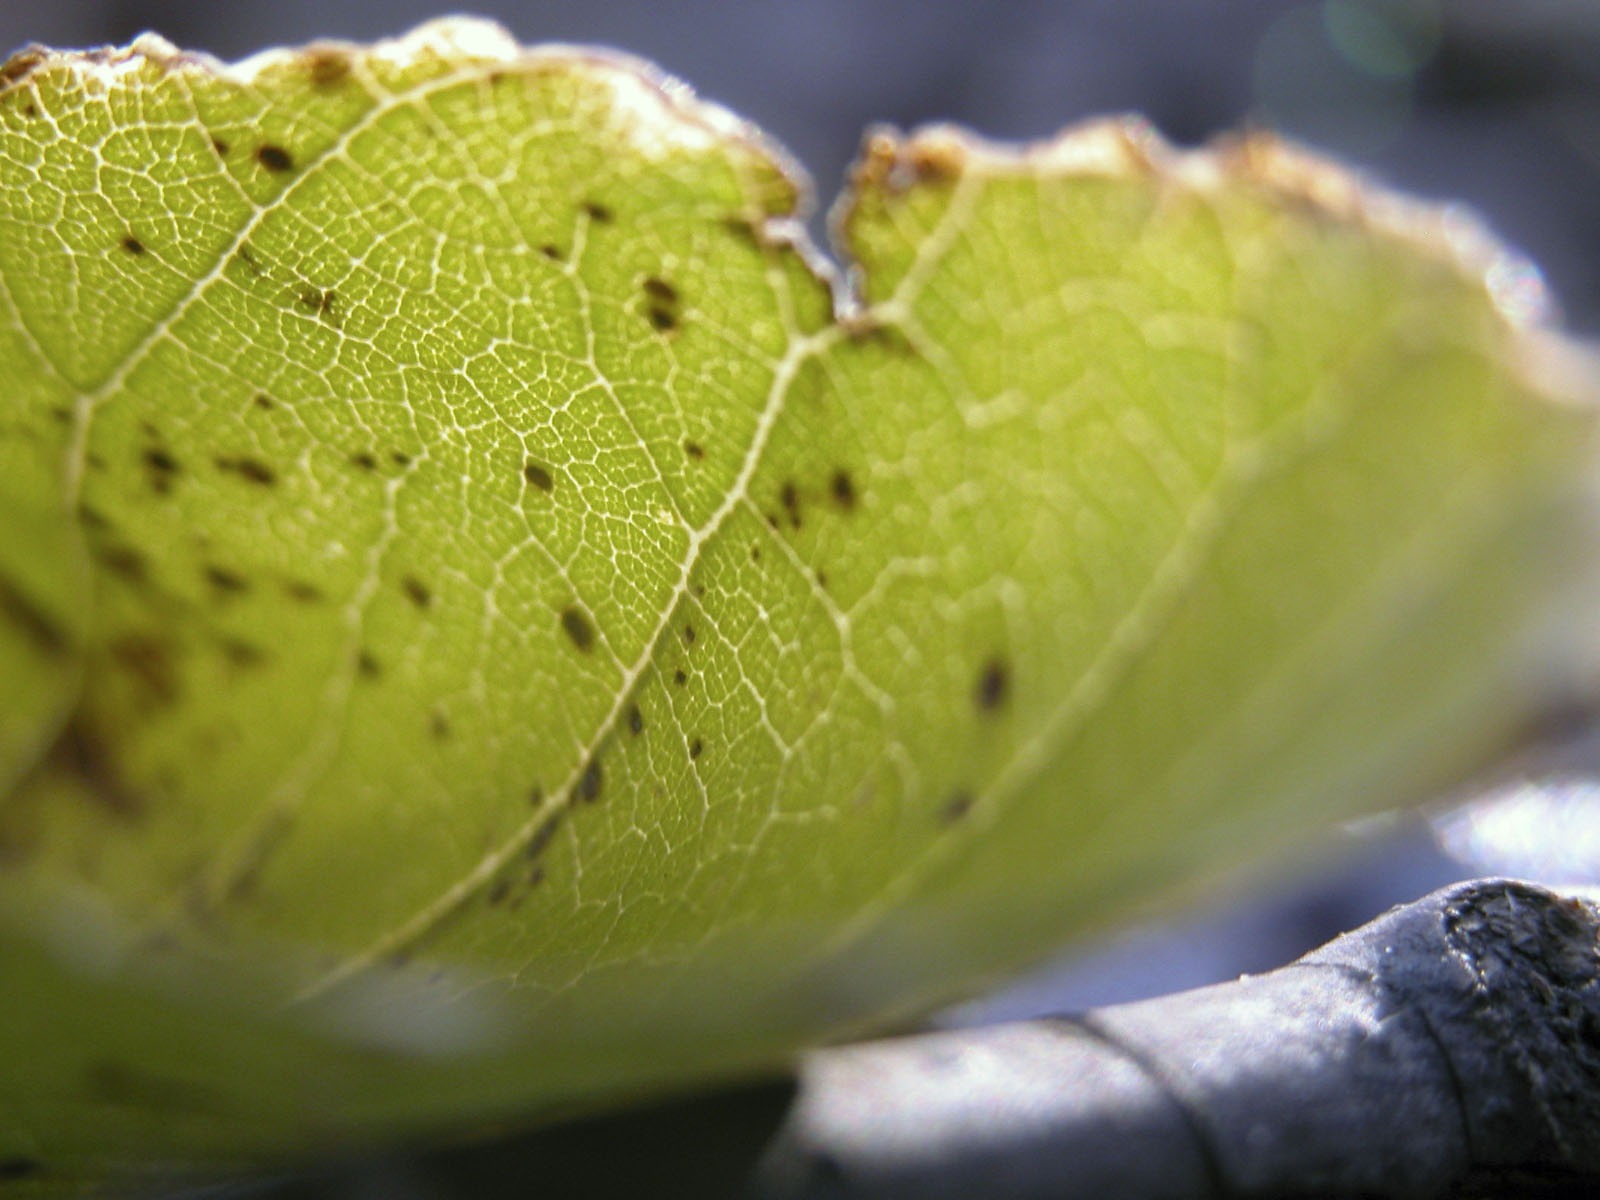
{"points": [[488, 625]]}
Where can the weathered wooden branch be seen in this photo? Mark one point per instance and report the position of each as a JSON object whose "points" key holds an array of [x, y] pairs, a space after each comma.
{"points": [[1455, 1039]]}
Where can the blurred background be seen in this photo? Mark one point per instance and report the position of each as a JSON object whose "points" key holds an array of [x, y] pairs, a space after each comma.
{"points": [[1489, 103]]}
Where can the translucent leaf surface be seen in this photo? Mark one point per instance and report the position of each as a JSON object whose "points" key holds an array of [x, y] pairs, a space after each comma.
{"points": [[488, 625]]}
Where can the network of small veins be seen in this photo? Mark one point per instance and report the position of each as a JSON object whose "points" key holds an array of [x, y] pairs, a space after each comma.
{"points": [[895, 310], [300, 776]]}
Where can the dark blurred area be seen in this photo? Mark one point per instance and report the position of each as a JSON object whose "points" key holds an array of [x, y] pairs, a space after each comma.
{"points": [[1494, 104]]}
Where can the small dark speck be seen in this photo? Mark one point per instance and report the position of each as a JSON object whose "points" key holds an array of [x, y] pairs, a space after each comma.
{"points": [[662, 320], [551, 251], [957, 806], [844, 490], [635, 720], [305, 593], [439, 725], [264, 402], [688, 635], [536, 796], [364, 460], [132, 245], [695, 747], [538, 476], [274, 158], [225, 580], [35, 622], [789, 497], [499, 892], [416, 591], [400, 458], [755, 552], [679, 677], [588, 790], [220, 146], [994, 681], [598, 213], [252, 470], [694, 450], [576, 626], [18, 1166], [367, 666], [660, 289], [160, 461], [542, 836], [122, 560], [241, 653]]}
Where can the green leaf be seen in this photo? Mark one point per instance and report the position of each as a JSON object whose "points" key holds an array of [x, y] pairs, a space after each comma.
{"points": [[490, 624]]}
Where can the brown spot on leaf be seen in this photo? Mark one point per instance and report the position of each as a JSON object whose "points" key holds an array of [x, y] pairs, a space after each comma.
{"points": [[225, 580], [661, 305], [679, 677], [755, 552], [694, 450], [220, 146], [274, 158], [590, 783], [324, 302], [151, 661], [161, 468], [551, 251], [241, 653], [81, 751], [688, 635], [936, 158], [994, 683], [251, 470], [416, 591], [695, 747], [575, 624], [20, 65], [543, 836], [367, 665], [789, 497], [263, 402], [327, 66], [956, 807], [439, 725], [37, 625], [598, 213], [660, 290], [635, 720], [843, 489], [123, 561], [400, 458], [364, 459], [132, 245], [252, 264], [499, 893], [538, 475], [302, 592]]}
